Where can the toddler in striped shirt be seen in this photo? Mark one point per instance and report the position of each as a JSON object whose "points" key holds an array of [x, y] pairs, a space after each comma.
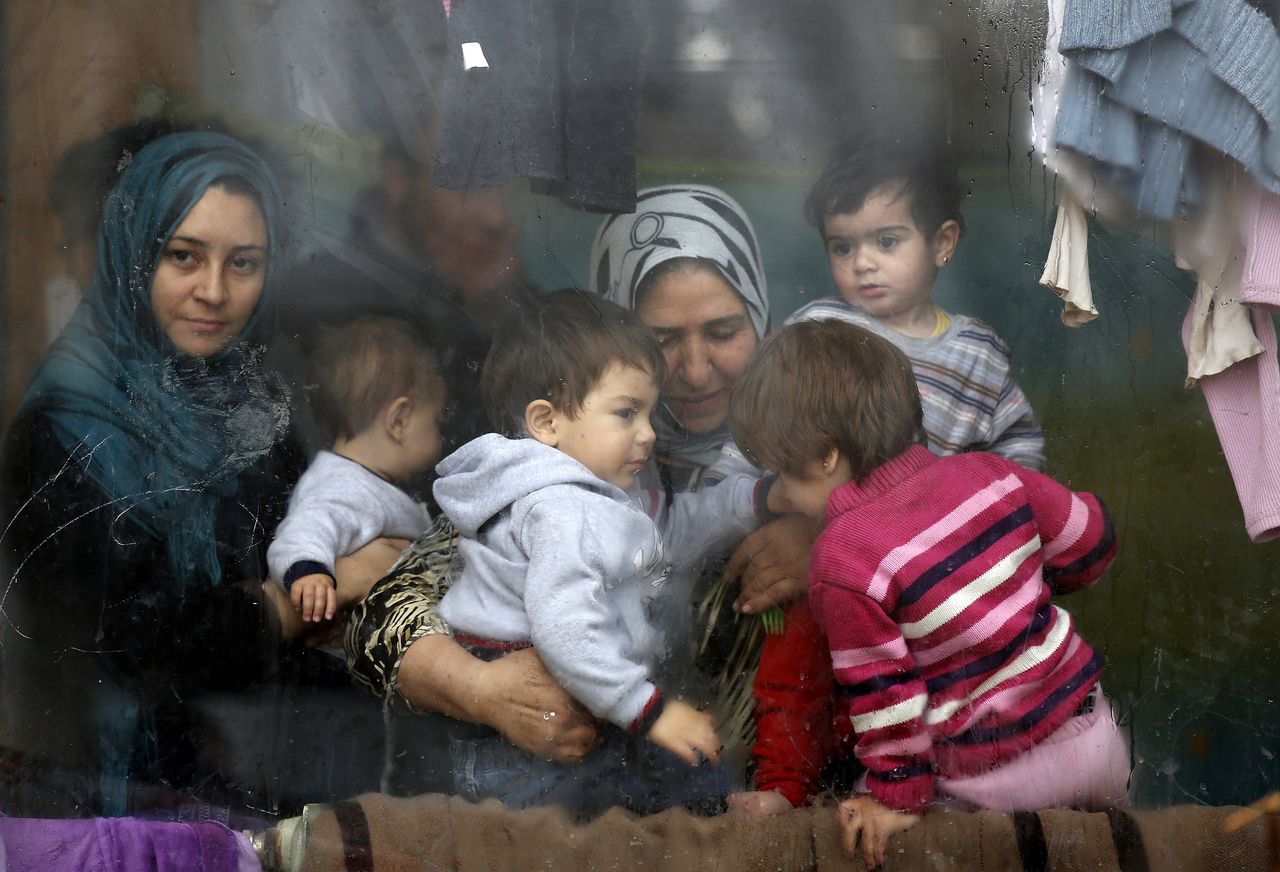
{"points": [[929, 639], [889, 217]]}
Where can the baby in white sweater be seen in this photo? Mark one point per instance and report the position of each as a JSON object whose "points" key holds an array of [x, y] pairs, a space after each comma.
{"points": [[378, 397]]}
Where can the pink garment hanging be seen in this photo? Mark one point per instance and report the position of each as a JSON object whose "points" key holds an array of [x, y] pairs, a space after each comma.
{"points": [[1260, 284], [1234, 247], [1244, 402]]}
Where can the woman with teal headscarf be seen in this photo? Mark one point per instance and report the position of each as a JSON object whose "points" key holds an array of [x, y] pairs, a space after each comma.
{"points": [[143, 476]]}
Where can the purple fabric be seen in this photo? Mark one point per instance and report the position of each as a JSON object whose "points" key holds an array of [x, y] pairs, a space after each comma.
{"points": [[119, 845]]}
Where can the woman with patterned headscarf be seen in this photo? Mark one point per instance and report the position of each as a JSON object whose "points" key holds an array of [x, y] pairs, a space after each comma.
{"points": [[688, 263], [142, 478]]}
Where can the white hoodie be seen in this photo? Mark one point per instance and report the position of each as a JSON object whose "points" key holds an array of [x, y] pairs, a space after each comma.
{"points": [[559, 558]]}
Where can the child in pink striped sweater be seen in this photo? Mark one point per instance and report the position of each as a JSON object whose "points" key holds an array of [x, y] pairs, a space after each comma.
{"points": [[931, 582]]}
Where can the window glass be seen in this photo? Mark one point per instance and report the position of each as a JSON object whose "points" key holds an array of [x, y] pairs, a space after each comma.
{"points": [[382, 159]]}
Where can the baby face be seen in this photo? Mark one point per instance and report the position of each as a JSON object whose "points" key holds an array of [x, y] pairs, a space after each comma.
{"points": [[808, 491], [420, 444], [611, 434], [882, 263]]}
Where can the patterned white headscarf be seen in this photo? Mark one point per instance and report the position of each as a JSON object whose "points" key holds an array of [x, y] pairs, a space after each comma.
{"points": [[681, 221]]}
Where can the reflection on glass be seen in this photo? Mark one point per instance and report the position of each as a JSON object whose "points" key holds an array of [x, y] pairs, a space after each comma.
{"points": [[1133, 167]]}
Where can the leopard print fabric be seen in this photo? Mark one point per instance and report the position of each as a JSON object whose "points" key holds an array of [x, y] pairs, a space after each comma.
{"points": [[400, 609], [404, 606]]}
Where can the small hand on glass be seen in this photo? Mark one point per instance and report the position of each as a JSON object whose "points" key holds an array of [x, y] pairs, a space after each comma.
{"points": [[875, 823]]}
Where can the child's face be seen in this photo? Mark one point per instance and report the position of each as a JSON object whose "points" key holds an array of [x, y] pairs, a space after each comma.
{"points": [[420, 444], [611, 434], [881, 262], [809, 491]]}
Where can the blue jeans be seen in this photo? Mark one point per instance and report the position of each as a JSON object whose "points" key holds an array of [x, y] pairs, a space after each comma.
{"points": [[626, 770]]}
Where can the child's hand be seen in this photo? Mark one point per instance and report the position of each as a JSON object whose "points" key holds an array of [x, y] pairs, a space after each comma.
{"points": [[687, 733], [762, 803], [875, 822], [315, 596]]}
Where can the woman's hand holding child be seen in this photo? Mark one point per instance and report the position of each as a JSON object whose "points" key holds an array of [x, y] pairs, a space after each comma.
{"points": [[772, 564], [359, 570], [687, 733]]}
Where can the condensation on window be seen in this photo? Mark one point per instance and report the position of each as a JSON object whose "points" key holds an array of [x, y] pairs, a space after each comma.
{"points": [[440, 165]]}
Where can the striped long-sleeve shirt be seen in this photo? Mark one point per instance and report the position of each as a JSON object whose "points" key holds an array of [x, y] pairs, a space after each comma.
{"points": [[931, 582], [971, 401]]}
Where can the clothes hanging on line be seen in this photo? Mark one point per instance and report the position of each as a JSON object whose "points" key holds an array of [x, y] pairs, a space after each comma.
{"points": [[1244, 402], [1230, 337], [1066, 270], [1260, 283], [1210, 243], [1171, 110], [548, 91], [1145, 82]]}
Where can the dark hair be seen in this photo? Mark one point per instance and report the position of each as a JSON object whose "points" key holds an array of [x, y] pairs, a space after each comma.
{"points": [[923, 171], [237, 185], [818, 385], [87, 171], [359, 368], [556, 348]]}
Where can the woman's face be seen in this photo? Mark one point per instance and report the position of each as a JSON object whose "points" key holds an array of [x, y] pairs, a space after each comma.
{"points": [[211, 273], [707, 337]]}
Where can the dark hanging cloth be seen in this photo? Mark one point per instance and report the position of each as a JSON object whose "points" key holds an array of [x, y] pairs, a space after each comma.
{"points": [[1270, 8], [557, 102]]}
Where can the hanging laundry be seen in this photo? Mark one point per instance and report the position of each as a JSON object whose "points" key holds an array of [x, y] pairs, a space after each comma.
{"points": [[1244, 402], [1066, 271], [1210, 243], [556, 100], [1145, 81], [1172, 110], [1231, 343], [1260, 284]]}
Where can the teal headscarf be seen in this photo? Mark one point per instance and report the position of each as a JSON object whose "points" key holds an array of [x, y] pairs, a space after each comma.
{"points": [[164, 435]]}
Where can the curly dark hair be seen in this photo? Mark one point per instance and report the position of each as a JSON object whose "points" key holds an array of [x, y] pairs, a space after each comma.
{"points": [[556, 347], [922, 170], [818, 385]]}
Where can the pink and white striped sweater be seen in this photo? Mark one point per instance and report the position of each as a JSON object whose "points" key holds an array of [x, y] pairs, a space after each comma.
{"points": [[932, 582]]}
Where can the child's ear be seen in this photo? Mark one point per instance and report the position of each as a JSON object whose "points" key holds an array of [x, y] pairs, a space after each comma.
{"points": [[396, 418], [836, 465], [944, 242], [541, 420], [831, 462]]}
